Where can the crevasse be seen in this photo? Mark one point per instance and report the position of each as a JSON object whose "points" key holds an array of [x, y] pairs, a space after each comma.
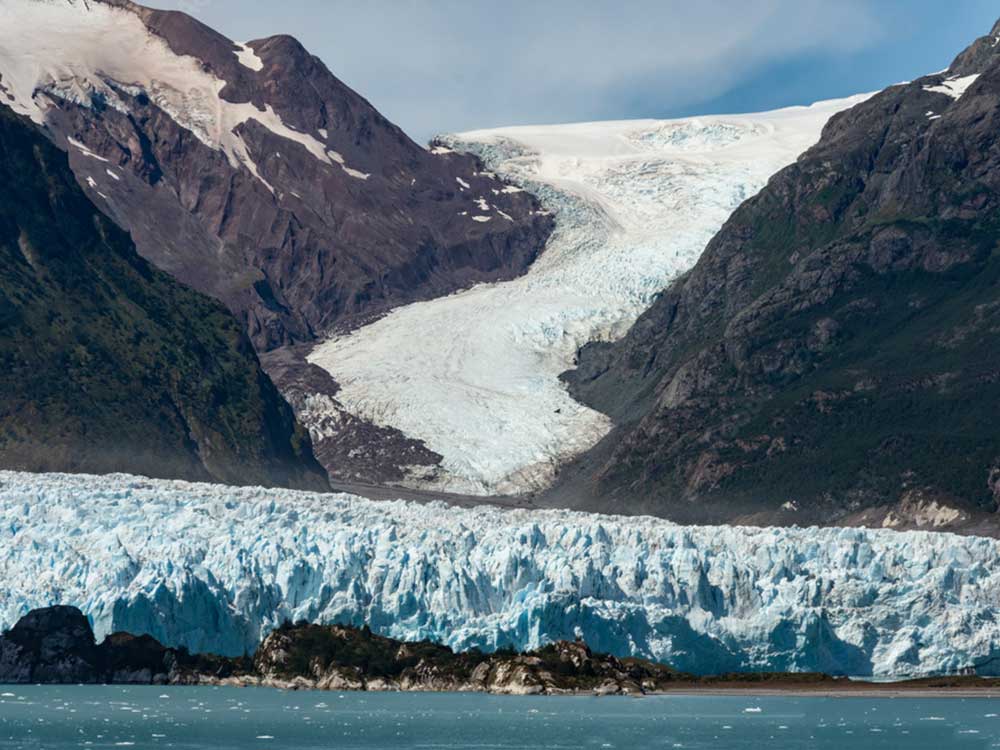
{"points": [[214, 568]]}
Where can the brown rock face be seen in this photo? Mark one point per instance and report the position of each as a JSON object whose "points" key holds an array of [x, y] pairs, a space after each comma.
{"points": [[837, 345]]}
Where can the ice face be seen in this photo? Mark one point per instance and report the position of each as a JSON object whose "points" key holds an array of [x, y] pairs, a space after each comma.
{"points": [[476, 375], [214, 568]]}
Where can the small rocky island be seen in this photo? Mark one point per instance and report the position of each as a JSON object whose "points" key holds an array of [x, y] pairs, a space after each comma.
{"points": [[56, 645]]}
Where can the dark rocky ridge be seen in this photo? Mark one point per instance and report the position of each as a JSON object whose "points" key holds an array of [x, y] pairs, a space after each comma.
{"points": [[834, 357], [107, 364]]}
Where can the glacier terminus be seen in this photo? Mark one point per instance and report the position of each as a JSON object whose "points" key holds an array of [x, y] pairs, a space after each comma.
{"points": [[215, 568]]}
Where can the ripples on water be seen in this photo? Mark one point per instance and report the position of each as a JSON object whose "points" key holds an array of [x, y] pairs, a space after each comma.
{"points": [[220, 719]]}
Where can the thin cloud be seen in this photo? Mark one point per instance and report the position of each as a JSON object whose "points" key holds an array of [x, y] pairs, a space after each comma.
{"points": [[434, 65]]}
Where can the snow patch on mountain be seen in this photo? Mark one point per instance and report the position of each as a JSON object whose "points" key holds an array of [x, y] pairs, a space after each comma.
{"points": [[215, 568], [475, 375], [88, 52], [953, 86], [248, 58]]}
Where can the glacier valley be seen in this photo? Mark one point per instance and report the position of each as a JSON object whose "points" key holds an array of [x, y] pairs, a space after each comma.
{"points": [[475, 375], [214, 568]]}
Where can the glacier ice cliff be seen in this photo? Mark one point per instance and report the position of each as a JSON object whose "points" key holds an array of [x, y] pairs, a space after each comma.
{"points": [[214, 568]]}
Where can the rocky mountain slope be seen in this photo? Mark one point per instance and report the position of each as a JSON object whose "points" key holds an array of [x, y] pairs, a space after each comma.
{"points": [[834, 356], [107, 364], [249, 172], [216, 569]]}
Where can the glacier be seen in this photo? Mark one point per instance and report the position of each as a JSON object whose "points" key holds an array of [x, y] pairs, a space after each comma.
{"points": [[475, 375], [214, 568]]}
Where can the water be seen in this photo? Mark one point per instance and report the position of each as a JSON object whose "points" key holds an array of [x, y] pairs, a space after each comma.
{"points": [[220, 719]]}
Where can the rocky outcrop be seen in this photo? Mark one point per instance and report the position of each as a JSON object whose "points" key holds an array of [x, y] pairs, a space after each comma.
{"points": [[109, 365], [835, 354], [314, 211], [56, 645], [342, 658]]}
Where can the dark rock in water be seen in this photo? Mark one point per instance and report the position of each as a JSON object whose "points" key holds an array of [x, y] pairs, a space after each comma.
{"points": [[343, 658], [56, 645], [834, 356], [108, 365], [53, 645]]}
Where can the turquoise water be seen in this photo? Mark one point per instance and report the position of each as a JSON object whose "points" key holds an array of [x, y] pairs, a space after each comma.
{"points": [[223, 718]]}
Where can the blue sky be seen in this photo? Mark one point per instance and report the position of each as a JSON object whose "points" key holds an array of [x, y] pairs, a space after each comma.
{"points": [[449, 65]]}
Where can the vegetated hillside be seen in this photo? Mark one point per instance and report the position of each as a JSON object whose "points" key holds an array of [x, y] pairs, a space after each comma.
{"points": [[834, 356], [107, 364]]}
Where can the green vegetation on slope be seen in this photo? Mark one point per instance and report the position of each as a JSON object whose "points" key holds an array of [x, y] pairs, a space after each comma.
{"points": [[107, 364]]}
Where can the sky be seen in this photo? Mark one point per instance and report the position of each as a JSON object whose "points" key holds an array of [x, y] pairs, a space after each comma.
{"points": [[435, 66]]}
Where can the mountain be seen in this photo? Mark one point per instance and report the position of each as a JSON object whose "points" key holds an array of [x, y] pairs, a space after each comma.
{"points": [[107, 364], [217, 568], [252, 174], [834, 355]]}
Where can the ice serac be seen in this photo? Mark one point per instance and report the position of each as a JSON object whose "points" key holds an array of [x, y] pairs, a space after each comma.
{"points": [[475, 375], [215, 568]]}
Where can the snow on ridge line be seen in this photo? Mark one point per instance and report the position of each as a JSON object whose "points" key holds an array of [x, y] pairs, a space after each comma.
{"points": [[74, 51], [953, 86], [635, 203], [248, 58], [215, 567]]}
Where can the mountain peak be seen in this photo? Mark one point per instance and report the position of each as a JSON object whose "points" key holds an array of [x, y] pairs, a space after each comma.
{"points": [[979, 55]]}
